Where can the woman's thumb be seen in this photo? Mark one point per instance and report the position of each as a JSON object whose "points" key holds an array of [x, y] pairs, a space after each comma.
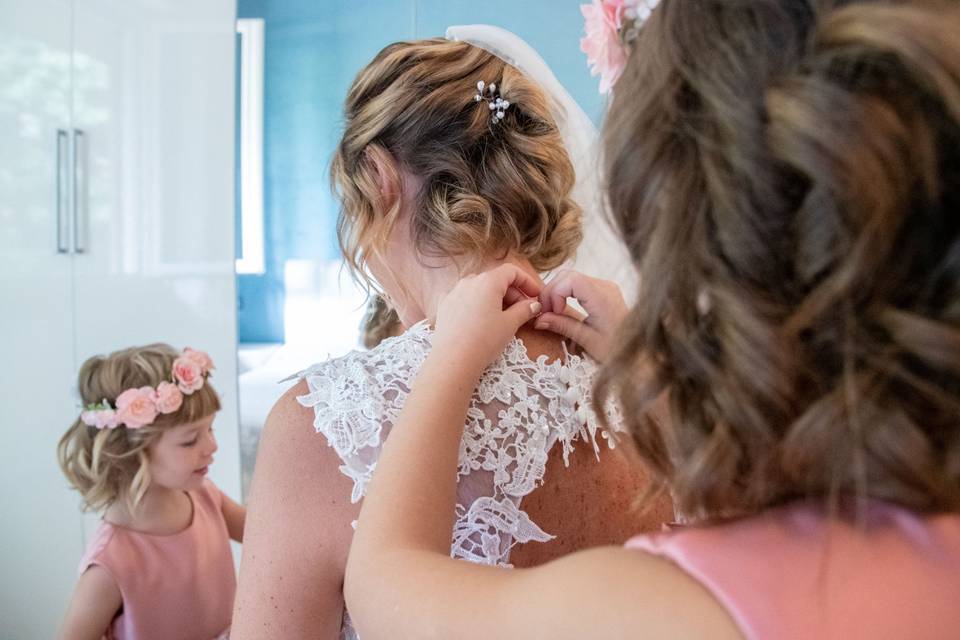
{"points": [[567, 327], [523, 311]]}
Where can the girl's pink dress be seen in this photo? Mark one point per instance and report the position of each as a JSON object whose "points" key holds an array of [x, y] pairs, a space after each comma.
{"points": [[794, 572], [174, 587]]}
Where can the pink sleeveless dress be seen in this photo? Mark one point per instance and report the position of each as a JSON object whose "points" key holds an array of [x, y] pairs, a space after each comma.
{"points": [[792, 572], [174, 587]]}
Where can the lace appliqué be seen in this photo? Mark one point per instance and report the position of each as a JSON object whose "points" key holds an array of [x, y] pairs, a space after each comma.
{"points": [[520, 410], [355, 397]]}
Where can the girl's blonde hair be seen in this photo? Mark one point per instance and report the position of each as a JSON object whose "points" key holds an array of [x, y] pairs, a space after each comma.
{"points": [[786, 174], [107, 465], [487, 188], [379, 322]]}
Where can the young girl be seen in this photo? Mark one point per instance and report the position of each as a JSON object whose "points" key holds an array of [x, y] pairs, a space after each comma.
{"points": [[786, 175], [160, 565]]}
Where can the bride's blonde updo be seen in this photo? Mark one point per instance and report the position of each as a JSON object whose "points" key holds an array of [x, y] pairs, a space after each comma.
{"points": [[487, 188]]}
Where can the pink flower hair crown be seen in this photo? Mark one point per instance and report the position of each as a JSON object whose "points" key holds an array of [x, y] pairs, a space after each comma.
{"points": [[137, 408], [611, 26]]}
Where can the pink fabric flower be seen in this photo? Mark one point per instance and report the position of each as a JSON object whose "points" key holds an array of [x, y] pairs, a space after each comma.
{"points": [[188, 374], [606, 55], [169, 398], [137, 407], [200, 357], [100, 418]]}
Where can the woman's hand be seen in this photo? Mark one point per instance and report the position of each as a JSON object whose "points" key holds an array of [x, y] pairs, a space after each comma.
{"points": [[601, 299], [482, 312]]}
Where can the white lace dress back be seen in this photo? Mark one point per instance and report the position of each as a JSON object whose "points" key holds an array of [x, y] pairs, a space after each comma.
{"points": [[521, 409]]}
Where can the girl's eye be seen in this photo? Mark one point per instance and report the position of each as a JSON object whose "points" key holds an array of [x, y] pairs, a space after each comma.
{"points": [[191, 443]]}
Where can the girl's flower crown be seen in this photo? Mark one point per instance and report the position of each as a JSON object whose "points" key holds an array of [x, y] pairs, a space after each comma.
{"points": [[611, 26], [137, 408]]}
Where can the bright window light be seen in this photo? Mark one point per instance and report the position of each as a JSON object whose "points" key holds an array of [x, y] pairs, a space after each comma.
{"points": [[251, 258]]}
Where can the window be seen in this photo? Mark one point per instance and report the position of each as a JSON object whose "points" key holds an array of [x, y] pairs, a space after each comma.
{"points": [[251, 259]]}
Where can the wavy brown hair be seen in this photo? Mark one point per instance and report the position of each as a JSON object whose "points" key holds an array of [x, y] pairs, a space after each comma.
{"points": [[487, 189], [107, 465], [786, 174]]}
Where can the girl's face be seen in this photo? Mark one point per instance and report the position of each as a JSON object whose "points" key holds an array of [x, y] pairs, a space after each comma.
{"points": [[180, 457]]}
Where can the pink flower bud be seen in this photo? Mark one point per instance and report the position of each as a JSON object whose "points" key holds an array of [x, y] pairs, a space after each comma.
{"points": [[169, 397], [137, 407], [188, 374]]}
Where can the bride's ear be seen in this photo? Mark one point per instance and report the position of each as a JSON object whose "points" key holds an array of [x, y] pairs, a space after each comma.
{"points": [[386, 174]]}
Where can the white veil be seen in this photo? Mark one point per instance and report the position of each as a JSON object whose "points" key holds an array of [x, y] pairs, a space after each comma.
{"points": [[601, 254]]}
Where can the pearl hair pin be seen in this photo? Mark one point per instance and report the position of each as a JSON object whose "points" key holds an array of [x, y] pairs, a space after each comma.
{"points": [[495, 103]]}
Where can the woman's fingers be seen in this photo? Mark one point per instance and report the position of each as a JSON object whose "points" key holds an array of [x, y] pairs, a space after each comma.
{"points": [[477, 318], [555, 293], [572, 284], [601, 299], [510, 276], [584, 335], [513, 296], [522, 312]]}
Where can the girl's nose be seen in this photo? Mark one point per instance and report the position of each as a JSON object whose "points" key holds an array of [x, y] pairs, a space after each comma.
{"points": [[211, 443]]}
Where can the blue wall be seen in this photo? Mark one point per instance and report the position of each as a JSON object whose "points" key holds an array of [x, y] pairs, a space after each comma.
{"points": [[313, 51]]}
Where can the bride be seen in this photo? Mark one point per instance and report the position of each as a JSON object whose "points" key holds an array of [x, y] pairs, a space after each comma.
{"points": [[456, 157]]}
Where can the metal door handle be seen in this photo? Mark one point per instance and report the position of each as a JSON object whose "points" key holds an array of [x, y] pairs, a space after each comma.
{"points": [[63, 201], [79, 191]]}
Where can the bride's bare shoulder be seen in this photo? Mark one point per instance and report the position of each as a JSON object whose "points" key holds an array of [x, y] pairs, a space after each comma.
{"points": [[286, 556], [291, 450], [540, 343]]}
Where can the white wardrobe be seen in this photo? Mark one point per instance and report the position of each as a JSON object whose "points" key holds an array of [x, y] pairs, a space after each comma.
{"points": [[116, 229]]}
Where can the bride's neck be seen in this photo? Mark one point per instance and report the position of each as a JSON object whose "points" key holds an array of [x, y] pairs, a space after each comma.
{"points": [[437, 282]]}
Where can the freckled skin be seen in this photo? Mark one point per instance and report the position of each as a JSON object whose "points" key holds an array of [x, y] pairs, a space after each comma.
{"points": [[587, 503], [601, 498]]}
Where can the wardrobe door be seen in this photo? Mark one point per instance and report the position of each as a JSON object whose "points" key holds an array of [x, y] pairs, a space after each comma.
{"points": [[40, 543], [154, 119]]}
